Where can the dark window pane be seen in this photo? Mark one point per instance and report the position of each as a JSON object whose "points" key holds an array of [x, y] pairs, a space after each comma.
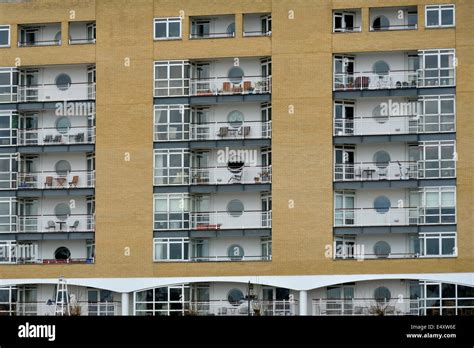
{"points": [[160, 30]]}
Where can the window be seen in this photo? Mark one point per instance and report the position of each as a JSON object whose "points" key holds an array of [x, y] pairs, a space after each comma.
{"points": [[8, 85], [446, 299], [382, 204], [235, 297], [4, 36], [438, 205], [344, 22], [235, 118], [8, 170], [266, 245], [381, 23], [63, 124], [62, 253], [437, 68], [62, 211], [8, 215], [235, 208], [171, 122], [381, 159], [235, 75], [438, 159], [171, 211], [439, 16], [438, 114], [62, 167], [167, 28], [8, 127], [382, 249], [381, 68], [235, 252], [438, 244], [63, 82], [171, 249], [382, 294], [171, 167], [172, 300], [172, 78]]}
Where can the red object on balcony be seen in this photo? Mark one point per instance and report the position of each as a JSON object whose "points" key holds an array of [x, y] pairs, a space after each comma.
{"points": [[362, 81]]}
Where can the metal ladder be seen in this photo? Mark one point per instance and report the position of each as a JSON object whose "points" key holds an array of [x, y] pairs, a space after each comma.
{"points": [[62, 298]]}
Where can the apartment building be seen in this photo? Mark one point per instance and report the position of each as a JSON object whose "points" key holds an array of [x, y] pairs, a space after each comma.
{"points": [[236, 157]]}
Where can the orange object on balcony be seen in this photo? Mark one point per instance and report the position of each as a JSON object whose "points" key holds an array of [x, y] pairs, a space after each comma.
{"points": [[226, 87], [247, 86]]}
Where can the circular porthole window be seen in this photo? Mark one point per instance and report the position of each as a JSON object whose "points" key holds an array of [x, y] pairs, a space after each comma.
{"points": [[382, 294], [381, 68], [63, 124], [235, 118], [62, 211], [235, 208], [381, 23], [62, 167], [235, 297], [381, 159], [235, 75], [63, 82], [382, 249], [62, 253], [235, 251], [382, 204], [231, 29], [377, 115]]}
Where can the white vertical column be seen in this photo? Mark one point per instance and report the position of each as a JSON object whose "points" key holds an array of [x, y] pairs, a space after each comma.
{"points": [[303, 301], [125, 303]]}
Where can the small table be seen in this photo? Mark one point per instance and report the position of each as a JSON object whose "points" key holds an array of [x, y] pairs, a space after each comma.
{"points": [[60, 223], [61, 182], [369, 173]]}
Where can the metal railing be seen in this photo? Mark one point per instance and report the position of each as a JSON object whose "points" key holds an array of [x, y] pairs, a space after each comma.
{"points": [[230, 220], [362, 306], [256, 33], [369, 80], [226, 258], [211, 35], [347, 30], [79, 308], [257, 308], [230, 86], [361, 255], [81, 41], [371, 171], [223, 175], [55, 136], [394, 27], [52, 42], [53, 223], [224, 131], [394, 216], [53, 180], [406, 124], [52, 92]]}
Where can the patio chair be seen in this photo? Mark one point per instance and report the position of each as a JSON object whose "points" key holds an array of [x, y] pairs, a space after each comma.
{"points": [[48, 181], [226, 87], [79, 138], [57, 139], [245, 131], [74, 182], [223, 131], [51, 225], [48, 139], [74, 226], [247, 86]]}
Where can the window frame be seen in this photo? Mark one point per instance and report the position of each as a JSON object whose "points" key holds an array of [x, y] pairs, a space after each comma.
{"points": [[6, 27], [182, 135], [185, 213], [184, 243], [168, 178], [185, 81], [167, 21], [440, 236], [439, 9]]}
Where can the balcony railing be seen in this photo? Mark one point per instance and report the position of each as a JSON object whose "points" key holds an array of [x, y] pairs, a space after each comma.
{"points": [[395, 27], [55, 136], [256, 33], [56, 223], [374, 81], [52, 92], [370, 171], [360, 255], [211, 35], [225, 175], [231, 220], [81, 41], [81, 308], [378, 125], [394, 216], [356, 306], [226, 258], [257, 308], [51, 42], [230, 86], [223, 131], [53, 180]]}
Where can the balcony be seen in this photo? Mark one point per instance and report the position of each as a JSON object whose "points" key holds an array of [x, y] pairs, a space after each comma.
{"points": [[57, 83], [220, 220], [393, 18], [55, 136], [222, 131], [81, 33], [53, 223], [48, 34], [362, 306], [212, 27], [257, 308], [45, 252], [79, 308], [369, 171], [257, 24], [51, 180], [394, 70], [226, 175], [222, 86]]}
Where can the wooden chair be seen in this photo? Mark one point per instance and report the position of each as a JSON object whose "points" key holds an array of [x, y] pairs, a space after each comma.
{"points": [[223, 131], [74, 182], [48, 181], [226, 87], [247, 86]]}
